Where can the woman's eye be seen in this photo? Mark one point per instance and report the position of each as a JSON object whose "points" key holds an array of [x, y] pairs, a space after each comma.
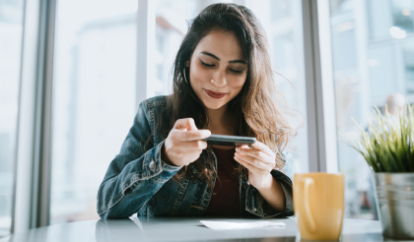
{"points": [[205, 64], [236, 71]]}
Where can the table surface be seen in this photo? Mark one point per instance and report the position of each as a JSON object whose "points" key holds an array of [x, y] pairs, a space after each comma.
{"points": [[183, 229]]}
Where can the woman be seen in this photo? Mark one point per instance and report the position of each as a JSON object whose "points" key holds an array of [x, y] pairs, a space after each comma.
{"points": [[223, 84]]}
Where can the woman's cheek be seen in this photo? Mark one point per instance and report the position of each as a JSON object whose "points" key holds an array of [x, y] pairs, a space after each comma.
{"points": [[238, 82], [200, 74]]}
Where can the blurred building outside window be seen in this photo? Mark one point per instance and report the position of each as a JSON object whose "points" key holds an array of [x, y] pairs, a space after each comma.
{"points": [[373, 58], [11, 23], [93, 99]]}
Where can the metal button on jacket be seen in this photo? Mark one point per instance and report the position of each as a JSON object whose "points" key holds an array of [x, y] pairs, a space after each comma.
{"points": [[152, 165]]}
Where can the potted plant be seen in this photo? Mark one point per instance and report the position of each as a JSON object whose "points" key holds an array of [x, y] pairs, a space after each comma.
{"points": [[388, 147]]}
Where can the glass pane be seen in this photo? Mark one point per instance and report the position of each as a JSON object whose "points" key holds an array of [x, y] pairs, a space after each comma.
{"points": [[11, 22], [284, 34], [94, 99], [373, 61], [172, 20], [282, 21]]}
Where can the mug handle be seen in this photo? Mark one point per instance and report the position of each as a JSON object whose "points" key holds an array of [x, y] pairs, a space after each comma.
{"points": [[308, 214]]}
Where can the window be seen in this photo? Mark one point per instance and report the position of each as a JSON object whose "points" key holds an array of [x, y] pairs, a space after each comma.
{"points": [[282, 22], [373, 60], [172, 21], [94, 99], [11, 22]]}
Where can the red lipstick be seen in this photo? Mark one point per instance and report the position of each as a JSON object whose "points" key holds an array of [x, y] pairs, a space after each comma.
{"points": [[215, 94]]}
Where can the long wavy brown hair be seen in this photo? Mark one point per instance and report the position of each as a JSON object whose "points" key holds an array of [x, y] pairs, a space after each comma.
{"points": [[260, 110]]}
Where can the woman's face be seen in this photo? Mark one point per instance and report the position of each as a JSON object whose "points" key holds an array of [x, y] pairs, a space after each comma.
{"points": [[218, 69]]}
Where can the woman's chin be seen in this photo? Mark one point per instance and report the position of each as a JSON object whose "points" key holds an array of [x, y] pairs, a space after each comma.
{"points": [[214, 104]]}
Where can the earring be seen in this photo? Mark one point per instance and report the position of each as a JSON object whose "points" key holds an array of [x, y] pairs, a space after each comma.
{"points": [[185, 75]]}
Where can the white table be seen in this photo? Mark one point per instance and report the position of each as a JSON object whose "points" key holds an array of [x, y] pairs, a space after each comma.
{"points": [[182, 229]]}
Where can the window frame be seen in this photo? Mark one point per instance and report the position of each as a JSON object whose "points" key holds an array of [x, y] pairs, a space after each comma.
{"points": [[31, 191], [322, 135]]}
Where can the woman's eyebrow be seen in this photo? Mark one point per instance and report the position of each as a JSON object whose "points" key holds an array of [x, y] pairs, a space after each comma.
{"points": [[215, 57]]}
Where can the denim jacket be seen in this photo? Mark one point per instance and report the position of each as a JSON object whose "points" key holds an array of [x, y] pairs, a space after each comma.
{"points": [[139, 181]]}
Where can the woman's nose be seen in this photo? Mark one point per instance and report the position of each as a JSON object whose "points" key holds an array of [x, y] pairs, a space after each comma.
{"points": [[219, 79]]}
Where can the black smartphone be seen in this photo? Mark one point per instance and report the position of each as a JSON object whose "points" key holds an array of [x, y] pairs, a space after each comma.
{"points": [[229, 140]]}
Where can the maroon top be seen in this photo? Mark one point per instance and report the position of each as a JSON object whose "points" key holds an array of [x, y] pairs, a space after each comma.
{"points": [[225, 199]]}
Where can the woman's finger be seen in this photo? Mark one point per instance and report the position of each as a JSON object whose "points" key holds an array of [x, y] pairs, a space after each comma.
{"points": [[262, 147], [252, 161], [194, 145], [191, 124], [180, 124], [249, 166], [192, 135], [190, 145], [257, 154], [186, 123]]}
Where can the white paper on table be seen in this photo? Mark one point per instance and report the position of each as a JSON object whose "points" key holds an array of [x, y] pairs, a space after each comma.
{"points": [[223, 225]]}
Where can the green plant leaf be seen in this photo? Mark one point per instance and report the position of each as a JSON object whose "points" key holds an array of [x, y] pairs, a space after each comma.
{"points": [[388, 143]]}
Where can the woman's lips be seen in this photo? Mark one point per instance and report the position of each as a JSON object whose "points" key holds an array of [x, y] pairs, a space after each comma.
{"points": [[215, 94]]}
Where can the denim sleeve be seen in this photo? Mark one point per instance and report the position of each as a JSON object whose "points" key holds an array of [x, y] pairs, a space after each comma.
{"points": [[257, 205], [135, 174]]}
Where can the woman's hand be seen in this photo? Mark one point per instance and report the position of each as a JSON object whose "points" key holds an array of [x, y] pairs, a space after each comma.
{"points": [[259, 160], [184, 143]]}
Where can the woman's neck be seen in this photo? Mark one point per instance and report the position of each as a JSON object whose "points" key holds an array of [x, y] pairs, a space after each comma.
{"points": [[221, 122]]}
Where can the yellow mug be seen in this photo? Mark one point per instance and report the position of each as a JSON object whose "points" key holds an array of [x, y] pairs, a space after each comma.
{"points": [[318, 199]]}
